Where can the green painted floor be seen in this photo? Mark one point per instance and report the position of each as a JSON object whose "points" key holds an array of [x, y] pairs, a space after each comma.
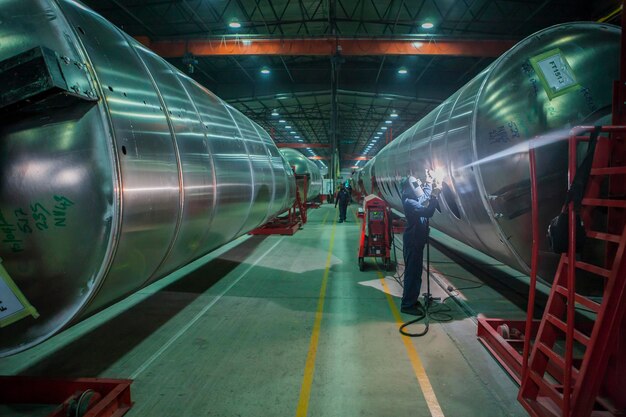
{"points": [[234, 334]]}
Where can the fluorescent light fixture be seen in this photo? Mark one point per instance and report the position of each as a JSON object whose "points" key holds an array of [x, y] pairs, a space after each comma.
{"points": [[265, 70], [388, 121], [292, 132], [383, 128], [297, 137], [427, 25], [379, 133], [394, 114], [402, 70], [287, 127], [274, 113], [281, 121], [234, 24], [299, 140]]}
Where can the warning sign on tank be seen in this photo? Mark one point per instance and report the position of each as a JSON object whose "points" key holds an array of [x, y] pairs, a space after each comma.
{"points": [[13, 305], [555, 73]]}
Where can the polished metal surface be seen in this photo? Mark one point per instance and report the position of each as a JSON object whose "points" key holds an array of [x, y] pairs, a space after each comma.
{"points": [[304, 166], [478, 138], [100, 200]]}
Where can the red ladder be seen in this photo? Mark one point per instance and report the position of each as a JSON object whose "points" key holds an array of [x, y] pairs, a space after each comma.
{"points": [[578, 368]]}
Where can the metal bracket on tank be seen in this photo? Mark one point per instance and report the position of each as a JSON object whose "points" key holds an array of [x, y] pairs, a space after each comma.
{"points": [[39, 79]]}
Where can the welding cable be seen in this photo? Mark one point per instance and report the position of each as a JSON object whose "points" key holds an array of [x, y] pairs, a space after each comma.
{"points": [[439, 313]]}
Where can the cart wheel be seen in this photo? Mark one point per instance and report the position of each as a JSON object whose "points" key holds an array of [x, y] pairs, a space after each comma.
{"points": [[361, 264]]}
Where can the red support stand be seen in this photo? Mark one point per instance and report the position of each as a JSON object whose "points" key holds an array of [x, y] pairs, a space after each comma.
{"points": [[289, 222], [99, 397], [568, 367]]}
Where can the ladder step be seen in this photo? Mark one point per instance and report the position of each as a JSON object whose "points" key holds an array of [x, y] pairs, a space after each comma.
{"points": [[547, 388], [594, 269], [603, 202], [555, 358], [580, 299], [559, 324], [608, 171], [604, 236]]}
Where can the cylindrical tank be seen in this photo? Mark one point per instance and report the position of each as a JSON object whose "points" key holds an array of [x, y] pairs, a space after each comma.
{"points": [[101, 199], [478, 138], [304, 166], [367, 176]]}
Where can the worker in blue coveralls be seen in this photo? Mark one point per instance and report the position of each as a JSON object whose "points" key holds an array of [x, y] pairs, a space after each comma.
{"points": [[343, 199], [419, 203]]}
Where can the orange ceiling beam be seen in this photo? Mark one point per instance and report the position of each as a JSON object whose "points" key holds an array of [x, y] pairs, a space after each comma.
{"points": [[319, 158], [327, 47], [356, 158], [299, 145]]}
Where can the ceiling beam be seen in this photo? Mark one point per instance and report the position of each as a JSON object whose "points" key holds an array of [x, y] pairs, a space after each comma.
{"points": [[302, 145], [328, 47]]}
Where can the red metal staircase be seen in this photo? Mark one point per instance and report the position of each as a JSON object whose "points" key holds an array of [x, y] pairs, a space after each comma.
{"points": [[568, 366]]}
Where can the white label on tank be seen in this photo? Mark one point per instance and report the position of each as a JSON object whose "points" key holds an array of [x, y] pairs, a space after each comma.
{"points": [[9, 303], [556, 72]]}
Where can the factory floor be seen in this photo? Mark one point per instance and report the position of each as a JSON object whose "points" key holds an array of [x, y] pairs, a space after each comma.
{"points": [[289, 326]]}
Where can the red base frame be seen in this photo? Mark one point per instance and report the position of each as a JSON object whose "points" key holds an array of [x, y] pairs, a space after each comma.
{"points": [[278, 226], [111, 398]]}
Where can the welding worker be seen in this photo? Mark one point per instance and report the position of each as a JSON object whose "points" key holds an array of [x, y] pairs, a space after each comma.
{"points": [[343, 199], [419, 205]]}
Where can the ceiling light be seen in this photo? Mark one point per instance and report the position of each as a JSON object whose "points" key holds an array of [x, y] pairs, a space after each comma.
{"points": [[282, 97], [234, 24], [379, 133], [287, 127], [402, 70], [297, 137], [292, 132], [274, 113], [383, 128], [417, 44], [394, 114], [427, 25], [265, 70], [281, 121]]}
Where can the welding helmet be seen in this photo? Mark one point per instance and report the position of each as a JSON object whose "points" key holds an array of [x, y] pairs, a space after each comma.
{"points": [[411, 188]]}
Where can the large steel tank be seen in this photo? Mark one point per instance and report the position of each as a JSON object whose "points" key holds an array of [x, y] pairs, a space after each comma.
{"points": [[304, 166], [144, 173], [549, 82]]}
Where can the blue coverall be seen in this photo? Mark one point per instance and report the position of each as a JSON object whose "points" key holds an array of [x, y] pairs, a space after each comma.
{"points": [[414, 239], [343, 199]]}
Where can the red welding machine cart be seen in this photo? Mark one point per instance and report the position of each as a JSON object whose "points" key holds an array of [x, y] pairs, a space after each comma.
{"points": [[375, 239]]}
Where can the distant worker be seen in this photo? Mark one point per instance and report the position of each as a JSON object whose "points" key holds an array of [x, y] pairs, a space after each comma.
{"points": [[343, 199], [419, 205]]}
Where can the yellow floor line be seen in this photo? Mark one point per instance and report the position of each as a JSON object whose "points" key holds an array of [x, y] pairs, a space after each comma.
{"points": [[416, 362], [309, 368]]}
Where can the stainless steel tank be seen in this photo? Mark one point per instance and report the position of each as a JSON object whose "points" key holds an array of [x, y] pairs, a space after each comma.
{"points": [[304, 166], [478, 138], [145, 172]]}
